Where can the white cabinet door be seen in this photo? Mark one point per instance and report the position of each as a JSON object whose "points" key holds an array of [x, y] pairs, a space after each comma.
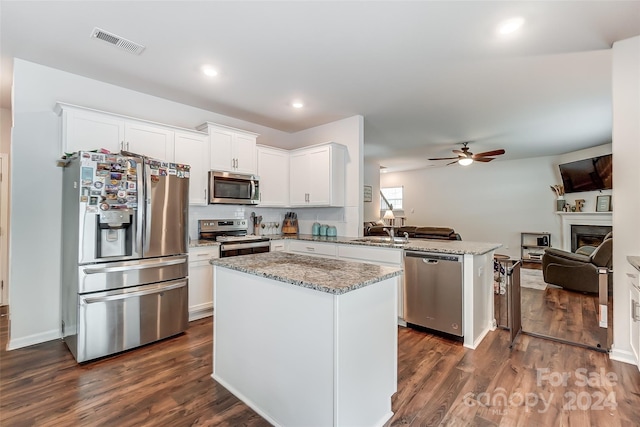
{"points": [[86, 131], [193, 150], [221, 149], [151, 141], [244, 152], [201, 281], [232, 150], [299, 176], [273, 170], [317, 176]]}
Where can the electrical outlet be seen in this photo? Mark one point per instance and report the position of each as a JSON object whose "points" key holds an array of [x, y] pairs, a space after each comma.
{"points": [[480, 271]]}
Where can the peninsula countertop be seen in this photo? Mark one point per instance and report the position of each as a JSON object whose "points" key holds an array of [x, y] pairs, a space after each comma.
{"points": [[458, 247], [321, 274]]}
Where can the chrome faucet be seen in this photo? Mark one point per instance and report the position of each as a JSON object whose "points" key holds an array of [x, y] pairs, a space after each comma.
{"points": [[389, 231]]}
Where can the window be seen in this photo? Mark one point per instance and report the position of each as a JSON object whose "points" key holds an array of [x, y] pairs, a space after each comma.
{"points": [[394, 197]]}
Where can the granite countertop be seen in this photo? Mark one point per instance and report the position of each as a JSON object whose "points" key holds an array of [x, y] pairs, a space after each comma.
{"points": [[200, 243], [634, 261], [321, 274], [458, 247]]}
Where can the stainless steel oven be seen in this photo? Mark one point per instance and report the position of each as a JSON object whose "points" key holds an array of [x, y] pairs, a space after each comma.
{"points": [[233, 188], [232, 236]]}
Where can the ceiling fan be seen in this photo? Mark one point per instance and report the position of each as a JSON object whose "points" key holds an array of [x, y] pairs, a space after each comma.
{"points": [[465, 157]]}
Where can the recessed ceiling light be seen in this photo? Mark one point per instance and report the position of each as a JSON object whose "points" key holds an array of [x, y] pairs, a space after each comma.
{"points": [[510, 25], [297, 104], [208, 70]]}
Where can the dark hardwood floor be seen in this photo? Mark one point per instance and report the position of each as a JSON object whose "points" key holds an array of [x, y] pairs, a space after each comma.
{"points": [[439, 383]]}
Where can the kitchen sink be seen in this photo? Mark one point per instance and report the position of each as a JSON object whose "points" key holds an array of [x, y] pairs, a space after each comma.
{"points": [[399, 241]]}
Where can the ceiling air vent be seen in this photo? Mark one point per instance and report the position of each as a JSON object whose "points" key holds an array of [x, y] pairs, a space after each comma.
{"points": [[117, 41]]}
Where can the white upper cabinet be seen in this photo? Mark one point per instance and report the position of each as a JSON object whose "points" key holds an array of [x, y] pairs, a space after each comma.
{"points": [[88, 130], [85, 129], [273, 170], [232, 150], [317, 176], [148, 140], [193, 149]]}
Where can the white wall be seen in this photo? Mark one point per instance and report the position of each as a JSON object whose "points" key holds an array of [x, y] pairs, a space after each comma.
{"points": [[348, 132], [626, 178], [36, 182], [490, 202], [371, 210]]}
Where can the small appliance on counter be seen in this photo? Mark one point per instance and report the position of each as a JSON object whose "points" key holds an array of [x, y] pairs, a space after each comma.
{"points": [[290, 223]]}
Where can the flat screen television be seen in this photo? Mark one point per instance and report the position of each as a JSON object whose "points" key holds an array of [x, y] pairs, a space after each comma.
{"points": [[591, 174]]}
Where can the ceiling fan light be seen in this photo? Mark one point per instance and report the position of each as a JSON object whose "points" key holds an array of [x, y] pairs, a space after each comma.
{"points": [[466, 161]]}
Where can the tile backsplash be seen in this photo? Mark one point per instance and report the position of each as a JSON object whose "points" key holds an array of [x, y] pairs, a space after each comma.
{"points": [[306, 216]]}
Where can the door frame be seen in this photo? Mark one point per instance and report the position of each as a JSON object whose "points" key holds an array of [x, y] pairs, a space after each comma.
{"points": [[4, 228]]}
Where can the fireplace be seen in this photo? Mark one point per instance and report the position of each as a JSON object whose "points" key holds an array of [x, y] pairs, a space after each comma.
{"points": [[570, 219], [587, 235]]}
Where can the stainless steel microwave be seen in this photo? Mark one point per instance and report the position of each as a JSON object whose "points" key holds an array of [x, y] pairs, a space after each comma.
{"points": [[233, 188]]}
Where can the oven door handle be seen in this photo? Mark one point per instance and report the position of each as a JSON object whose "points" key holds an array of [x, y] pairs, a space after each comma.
{"points": [[233, 246]]}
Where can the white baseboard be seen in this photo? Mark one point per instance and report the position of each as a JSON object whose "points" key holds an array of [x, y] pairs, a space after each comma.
{"points": [[200, 311], [623, 356], [21, 342]]}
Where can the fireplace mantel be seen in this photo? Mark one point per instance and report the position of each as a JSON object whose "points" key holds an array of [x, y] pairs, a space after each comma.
{"points": [[581, 218]]}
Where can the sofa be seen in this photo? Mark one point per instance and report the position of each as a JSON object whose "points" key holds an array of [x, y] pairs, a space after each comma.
{"points": [[578, 271], [414, 232]]}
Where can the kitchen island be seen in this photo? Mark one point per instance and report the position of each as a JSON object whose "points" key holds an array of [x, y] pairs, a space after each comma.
{"points": [[305, 340]]}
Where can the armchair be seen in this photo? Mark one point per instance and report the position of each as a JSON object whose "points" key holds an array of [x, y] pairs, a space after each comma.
{"points": [[577, 271]]}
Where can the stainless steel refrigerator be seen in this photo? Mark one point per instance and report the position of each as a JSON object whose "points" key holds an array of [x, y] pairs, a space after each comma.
{"points": [[124, 252]]}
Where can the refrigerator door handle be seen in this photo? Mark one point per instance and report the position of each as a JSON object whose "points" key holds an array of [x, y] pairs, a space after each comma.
{"points": [[123, 295], [141, 266]]}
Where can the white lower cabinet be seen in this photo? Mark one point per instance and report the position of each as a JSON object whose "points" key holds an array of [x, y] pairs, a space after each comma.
{"points": [[201, 281], [381, 256]]}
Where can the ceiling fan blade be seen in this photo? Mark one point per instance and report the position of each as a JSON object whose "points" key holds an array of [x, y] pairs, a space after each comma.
{"points": [[459, 152], [483, 159], [443, 158], [489, 153], [451, 163]]}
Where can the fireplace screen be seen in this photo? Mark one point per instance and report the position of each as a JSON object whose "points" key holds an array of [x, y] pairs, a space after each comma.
{"points": [[587, 235]]}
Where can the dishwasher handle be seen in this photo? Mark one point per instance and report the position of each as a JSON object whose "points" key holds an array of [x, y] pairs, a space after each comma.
{"points": [[430, 258]]}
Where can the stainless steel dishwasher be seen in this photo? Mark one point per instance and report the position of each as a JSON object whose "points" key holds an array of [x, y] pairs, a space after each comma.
{"points": [[433, 291]]}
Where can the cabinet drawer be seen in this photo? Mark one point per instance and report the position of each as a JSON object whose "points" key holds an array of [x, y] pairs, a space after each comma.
{"points": [[312, 248], [371, 254], [204, 253], [278, 246]]}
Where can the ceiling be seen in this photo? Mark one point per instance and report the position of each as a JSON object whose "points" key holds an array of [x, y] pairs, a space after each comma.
{"points": [[426, 75]]}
